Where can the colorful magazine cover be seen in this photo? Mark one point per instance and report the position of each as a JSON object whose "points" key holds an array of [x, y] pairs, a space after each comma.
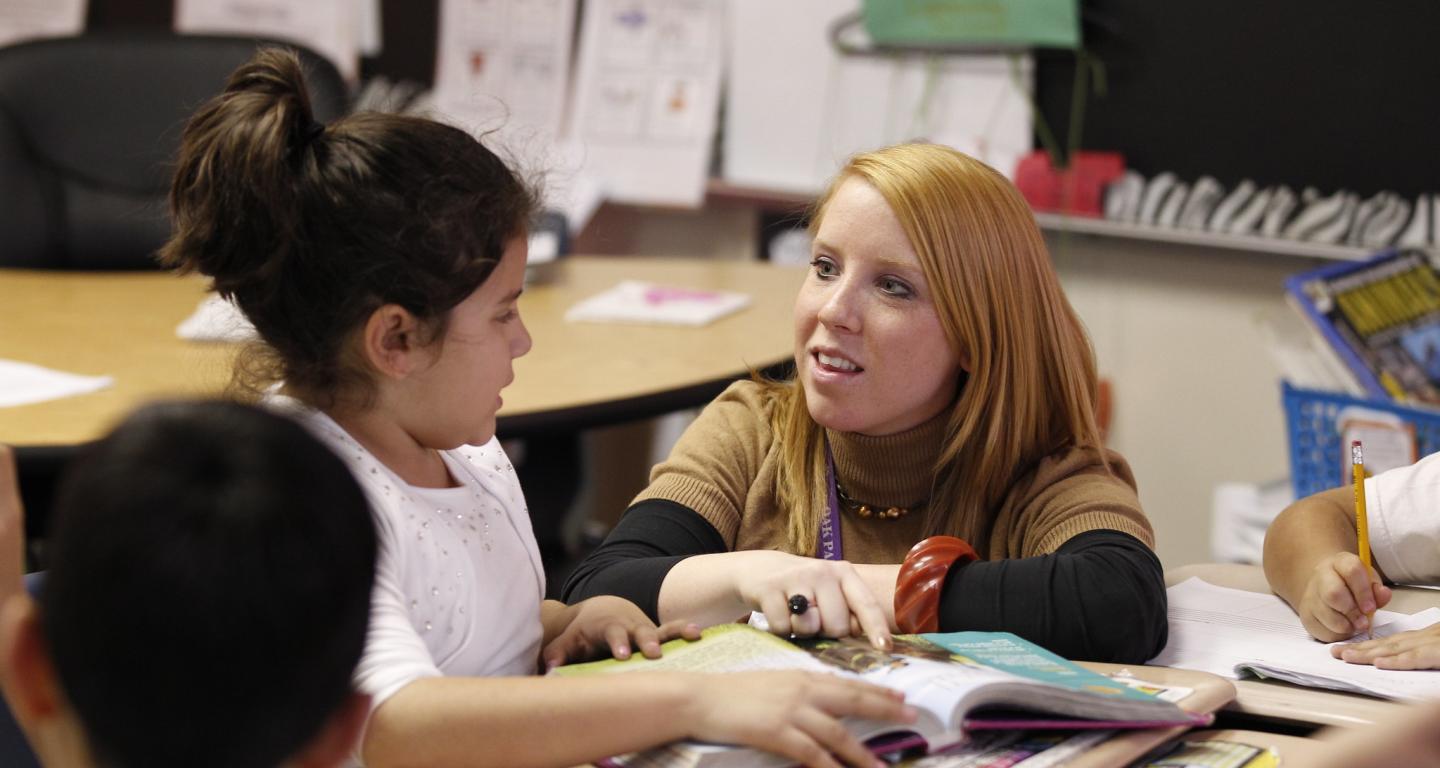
{"points": [[1382, 318]]}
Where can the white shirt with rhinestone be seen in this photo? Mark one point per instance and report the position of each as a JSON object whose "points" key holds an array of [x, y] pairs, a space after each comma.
{"points": [[459, 581]]}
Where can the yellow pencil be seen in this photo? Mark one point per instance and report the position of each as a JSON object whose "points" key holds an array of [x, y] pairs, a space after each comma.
{"points": [[1362, 527]]}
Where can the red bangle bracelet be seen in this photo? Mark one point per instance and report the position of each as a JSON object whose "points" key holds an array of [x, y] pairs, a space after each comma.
{"points": [[922, 575]]}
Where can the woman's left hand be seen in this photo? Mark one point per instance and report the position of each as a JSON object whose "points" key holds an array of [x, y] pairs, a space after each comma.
{"points": [[614, 624], [1416, 649]]}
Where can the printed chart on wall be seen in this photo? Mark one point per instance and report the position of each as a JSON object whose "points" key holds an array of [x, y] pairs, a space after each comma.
{"points": [[26, 19], [330, 27], [647, 94], [503, 66]]}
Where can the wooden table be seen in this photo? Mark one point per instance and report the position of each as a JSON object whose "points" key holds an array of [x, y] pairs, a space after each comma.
{"points": [[1278, 701], [577, 375]]}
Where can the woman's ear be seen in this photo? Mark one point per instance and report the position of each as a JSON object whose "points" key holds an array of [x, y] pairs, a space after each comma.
{"points": [[390, 341]]}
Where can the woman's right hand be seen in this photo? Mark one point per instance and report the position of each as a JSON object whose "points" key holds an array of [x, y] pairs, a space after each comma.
{"points": [[794, 714], [839, 598], [1339, 598]]}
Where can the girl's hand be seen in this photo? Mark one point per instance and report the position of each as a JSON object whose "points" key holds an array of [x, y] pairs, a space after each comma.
{"points": [[840, 602], [794, 714], [610, 623], [1416, 649], [1339, 597]]}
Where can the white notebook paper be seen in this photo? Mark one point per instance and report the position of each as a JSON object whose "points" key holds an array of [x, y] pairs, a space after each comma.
{"points": [[1234, 633]]}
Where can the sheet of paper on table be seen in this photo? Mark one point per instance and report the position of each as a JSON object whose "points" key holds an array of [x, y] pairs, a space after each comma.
{"points": [[1234, 633], [26, 383]]}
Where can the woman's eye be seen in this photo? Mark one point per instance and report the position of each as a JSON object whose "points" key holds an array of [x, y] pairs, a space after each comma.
{"points": [[896, 287], [824, 267]]}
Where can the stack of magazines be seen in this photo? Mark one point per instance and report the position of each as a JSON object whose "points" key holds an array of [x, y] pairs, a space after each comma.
{"points": [[1380, 319]]}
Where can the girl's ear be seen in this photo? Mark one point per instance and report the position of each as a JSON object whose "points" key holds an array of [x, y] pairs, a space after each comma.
{"points": [[390, 341]]}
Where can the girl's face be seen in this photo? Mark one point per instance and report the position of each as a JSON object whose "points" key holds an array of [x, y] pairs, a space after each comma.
{"points": [[869, 348], [461, 386]]}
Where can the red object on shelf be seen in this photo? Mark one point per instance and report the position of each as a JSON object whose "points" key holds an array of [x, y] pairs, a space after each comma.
{"points": [[1078, 190]]}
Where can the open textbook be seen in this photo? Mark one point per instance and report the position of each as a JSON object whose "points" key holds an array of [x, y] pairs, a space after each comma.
{"points": [[959, 682], [1234, 632]]}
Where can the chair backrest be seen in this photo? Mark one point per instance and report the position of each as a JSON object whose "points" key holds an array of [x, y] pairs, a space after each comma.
{"points": [[89, 127]]}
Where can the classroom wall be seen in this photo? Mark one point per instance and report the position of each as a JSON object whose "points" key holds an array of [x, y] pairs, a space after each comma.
{"points": [[1196, 394]]}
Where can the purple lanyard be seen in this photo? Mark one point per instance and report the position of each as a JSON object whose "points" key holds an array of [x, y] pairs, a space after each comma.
{"points": [[830, 547]]}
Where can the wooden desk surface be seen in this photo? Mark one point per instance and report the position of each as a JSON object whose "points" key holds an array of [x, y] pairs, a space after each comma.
{"points": [[577, 375], [1280, 701]]}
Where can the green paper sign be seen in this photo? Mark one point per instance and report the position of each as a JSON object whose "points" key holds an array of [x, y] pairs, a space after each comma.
{"points": [[958, 24]]}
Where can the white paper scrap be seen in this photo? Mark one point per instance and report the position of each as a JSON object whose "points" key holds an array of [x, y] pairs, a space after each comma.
{"points": [[26, 383], [216, 320]]}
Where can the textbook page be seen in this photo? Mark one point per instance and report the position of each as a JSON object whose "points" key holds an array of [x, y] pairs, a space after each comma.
{"points": [[26, 19], [1234, 632]]}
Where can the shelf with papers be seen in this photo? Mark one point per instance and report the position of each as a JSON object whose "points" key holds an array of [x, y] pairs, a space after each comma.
{"points": [[722, 192], [1054, 222]]}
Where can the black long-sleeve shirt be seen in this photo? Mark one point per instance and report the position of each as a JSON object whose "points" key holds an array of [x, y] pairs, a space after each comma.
{"points": [[1099, 597]]}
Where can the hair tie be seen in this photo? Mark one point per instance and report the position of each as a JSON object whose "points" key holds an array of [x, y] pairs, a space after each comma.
{"points": [[311, 133], [922, 576]]}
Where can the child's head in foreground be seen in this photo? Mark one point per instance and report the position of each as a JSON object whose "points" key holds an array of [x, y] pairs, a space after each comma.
{"points": [[206, 602]]}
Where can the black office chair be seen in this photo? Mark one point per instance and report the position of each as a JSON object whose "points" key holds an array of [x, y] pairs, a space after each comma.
{"points": [[89, 127]]}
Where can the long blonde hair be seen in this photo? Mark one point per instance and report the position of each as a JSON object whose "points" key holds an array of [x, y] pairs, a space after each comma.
{"points": [[1031, 387]]}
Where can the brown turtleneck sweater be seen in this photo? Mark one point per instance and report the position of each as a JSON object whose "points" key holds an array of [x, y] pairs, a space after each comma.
{"points": [[724, 468], [1068, 562]]}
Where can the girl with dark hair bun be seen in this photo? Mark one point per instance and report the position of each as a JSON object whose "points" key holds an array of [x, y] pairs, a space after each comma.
{"points": [[381, 258]]}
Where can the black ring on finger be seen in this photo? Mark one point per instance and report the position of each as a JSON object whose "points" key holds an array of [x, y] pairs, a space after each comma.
{"points": [[799, 604]]}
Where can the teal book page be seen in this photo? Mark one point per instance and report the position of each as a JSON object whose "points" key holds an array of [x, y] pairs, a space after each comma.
{"points": [[1009, 653]]}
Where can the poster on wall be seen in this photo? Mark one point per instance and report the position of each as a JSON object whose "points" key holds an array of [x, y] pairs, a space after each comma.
{"points": [[503, 70], [647, 96], [27, 19], [796, 108], [329, 27]]}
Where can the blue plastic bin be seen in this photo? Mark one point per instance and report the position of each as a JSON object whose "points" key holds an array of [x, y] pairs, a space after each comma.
{"points": [[1316, 455]]}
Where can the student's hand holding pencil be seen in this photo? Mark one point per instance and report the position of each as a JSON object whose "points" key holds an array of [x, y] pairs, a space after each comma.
{"points": [[1339, 597]]}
